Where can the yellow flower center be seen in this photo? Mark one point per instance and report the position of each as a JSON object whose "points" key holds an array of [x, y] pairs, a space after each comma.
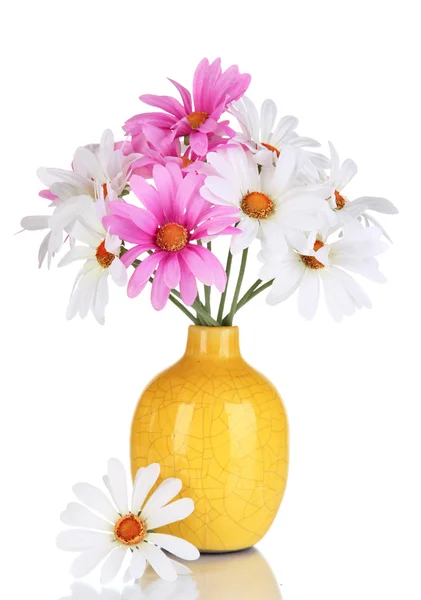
{"points": [[196, 119], [104, 257], [257, 205], [172, 237], [130, 530], [185, 161], [340, 200], [272, 149], [311, 261]]}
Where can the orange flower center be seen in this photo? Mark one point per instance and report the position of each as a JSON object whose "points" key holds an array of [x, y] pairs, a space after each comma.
{"points": [[105, 190], [257, 205], [311, 261], [172, 237], [340, 200], [130, 530], [196, 119], [272, 149], [185, 161], [104, 257]]}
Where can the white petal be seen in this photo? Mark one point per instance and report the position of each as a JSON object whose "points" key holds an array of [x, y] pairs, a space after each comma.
{"points": [[90, 559], [267, 118], [137, 564], [175, 545], [78, 515], [308, 294], [160, 563], [381, 205], [86, 235], [249, 228], [286, 282], [35, 223], [224, 189], [113, 564], [176, 511], [180, 568], [338, 300], [352, 287], [77, 253], [118, 484], [285, 170], [86, 165], [118, 272], [96, 499], [144, 481], [76, 540], [347, 172], [168, 489], [101, 297]]}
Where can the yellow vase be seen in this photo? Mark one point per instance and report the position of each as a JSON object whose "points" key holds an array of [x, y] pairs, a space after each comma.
{"points": [[221, 427]]}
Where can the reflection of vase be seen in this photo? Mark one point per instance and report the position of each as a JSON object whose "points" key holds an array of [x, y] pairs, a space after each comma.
{"points": [[220, 426], [243, 575]]}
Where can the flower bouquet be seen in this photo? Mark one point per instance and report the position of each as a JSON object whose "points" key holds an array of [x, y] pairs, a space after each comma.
{"points": [[153, 206]]}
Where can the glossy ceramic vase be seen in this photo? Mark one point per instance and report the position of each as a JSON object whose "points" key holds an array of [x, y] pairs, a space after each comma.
{"points": [[221, 427]]}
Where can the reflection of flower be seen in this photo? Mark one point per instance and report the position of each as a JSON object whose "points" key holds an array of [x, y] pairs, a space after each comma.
{"points": [[182, 589], [81, 591], [120, 531]]}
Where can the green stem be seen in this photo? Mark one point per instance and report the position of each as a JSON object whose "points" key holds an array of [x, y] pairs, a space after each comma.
{"points": [[244, 298], [224, 293], [230, 317], [208, 288], [183, 309], [262, 288]]}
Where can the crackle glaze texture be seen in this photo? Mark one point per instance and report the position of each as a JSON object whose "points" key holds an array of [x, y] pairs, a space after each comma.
{"points": [[220, 426]]}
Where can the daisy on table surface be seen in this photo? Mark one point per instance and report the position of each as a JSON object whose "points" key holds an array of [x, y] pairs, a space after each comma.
{"points": [[124, 530]]}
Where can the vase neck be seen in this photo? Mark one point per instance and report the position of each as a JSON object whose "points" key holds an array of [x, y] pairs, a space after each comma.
{"points": [[213, 342]]}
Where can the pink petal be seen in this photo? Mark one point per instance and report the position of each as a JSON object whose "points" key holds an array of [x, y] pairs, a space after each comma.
{"points": [[196, 265], [199, 143], [210, 84], [199, 80], [194, 211], [166, 103], [142, 273], [148, 196], [185, 96], [172, 271], [213, 265], [124, 228], [145, 220], [160, 291], [166, 191], [131, 255], [188, 285], [136, 123], [188, 188], [47, 195], [208, 126]]}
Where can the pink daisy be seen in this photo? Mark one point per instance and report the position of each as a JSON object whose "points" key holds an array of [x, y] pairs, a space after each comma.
{"points": [[175, 217], [213, 92]]}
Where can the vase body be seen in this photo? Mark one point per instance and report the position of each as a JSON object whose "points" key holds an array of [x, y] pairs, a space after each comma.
{"points": [[221, 427]]}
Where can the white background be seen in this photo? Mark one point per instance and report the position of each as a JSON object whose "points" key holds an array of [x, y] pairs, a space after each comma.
{"points": [[350, 525]]}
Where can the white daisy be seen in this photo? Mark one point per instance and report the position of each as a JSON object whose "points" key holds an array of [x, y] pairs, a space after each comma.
{"points": [[347, 211], [99, 171], [271, 204], [125, 530], [267, 141], [90, 291], [303, 269]]}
